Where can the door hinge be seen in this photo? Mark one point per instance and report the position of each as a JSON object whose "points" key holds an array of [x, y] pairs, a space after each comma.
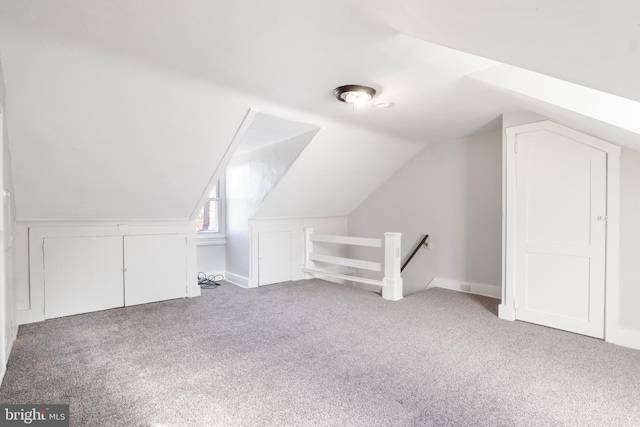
{"points": [[602, 217], [515, 303], [42, 245], [515, 146]]}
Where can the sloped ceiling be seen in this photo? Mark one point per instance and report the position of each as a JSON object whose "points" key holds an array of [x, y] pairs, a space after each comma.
{"points": [[122, 109], [592, 43], [267, 130]]}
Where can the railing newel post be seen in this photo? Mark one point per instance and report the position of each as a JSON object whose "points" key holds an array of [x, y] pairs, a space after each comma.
{"points": [[392, 289], [308, 249]]}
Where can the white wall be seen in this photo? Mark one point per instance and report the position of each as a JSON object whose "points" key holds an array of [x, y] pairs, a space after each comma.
{"points": [[249, 177], [211, 259], [629, 240], [135, 134], [451, 191]]}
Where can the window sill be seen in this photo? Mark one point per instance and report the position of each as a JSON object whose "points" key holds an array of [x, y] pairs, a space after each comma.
{"points": [[210, 239]]}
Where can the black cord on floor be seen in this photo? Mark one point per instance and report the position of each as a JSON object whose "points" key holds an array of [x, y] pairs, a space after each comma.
{"points": [[209, 282]]}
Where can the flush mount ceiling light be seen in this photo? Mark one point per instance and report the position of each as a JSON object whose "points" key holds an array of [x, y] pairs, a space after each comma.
{"points": [[354, 94]]}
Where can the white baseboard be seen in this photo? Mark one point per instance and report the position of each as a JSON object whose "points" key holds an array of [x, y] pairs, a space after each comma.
{"points": [[506, 313], [628, 338], [491, 291], [241, 281], [32, 315]]}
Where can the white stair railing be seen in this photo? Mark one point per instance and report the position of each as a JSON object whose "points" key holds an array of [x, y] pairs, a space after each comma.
{"points": [[391, 283]]}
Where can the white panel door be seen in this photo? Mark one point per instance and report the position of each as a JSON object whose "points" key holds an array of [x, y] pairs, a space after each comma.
{"points": [[82, 274], [560, 233], [155, 268], [274, 257]]}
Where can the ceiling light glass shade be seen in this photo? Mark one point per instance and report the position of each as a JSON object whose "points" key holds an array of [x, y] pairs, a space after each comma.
{"points": [[354, 94]]}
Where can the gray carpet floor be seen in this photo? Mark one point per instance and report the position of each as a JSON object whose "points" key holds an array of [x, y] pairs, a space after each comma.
{"points": [[312, 353]]}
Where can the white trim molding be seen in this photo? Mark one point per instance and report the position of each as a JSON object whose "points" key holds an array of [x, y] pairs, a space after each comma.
{"points": [[491, 291], [210, 239], [506, 312], [220, 167], [236, 279], [628, 338]]}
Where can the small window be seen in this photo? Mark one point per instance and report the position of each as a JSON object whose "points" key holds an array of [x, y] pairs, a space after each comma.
{"points": [[209, 218]]}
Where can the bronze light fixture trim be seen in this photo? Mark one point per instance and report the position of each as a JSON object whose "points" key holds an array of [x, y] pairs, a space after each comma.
{"points": [[354, 94]]}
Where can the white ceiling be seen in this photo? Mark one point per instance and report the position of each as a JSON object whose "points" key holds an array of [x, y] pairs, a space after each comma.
{"points": [[592, 43], [267, 130], [137, 90], [296, 51]]}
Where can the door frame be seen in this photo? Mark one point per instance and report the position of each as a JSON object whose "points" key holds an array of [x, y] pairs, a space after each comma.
{"points": [[507, 309]]}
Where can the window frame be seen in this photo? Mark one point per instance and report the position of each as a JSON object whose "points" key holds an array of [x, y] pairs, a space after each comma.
{"points": [[218, 237]]}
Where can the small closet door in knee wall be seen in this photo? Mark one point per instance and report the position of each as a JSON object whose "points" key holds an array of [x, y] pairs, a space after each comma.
{"points": [[155, 268], [82, 274], [274, 257]]}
